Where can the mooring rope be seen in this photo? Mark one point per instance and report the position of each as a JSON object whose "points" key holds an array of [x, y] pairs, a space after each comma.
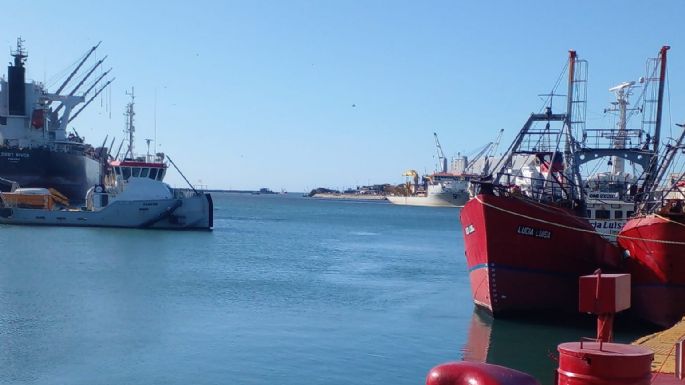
{"points": [[577, 228]]}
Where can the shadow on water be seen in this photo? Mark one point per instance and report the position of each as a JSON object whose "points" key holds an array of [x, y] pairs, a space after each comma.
{"points": [[529, 342]]}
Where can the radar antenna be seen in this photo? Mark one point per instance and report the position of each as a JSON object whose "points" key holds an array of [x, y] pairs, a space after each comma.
{"points": [[19, 54]]}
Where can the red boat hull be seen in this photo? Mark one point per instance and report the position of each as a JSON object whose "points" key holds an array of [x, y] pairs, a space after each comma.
{"points": [[524, 255], [656, 245]]}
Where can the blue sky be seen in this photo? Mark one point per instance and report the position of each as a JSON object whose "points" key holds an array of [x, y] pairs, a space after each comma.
{"points": [[300, 94]]}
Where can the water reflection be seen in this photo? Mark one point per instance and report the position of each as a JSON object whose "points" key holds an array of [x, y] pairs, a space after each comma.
{"points": [[529, 344]]}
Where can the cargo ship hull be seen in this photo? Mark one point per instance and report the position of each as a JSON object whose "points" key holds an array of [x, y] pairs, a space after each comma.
{"points": [[656, 245], [71, 173], [523, 255], [443, 199]]}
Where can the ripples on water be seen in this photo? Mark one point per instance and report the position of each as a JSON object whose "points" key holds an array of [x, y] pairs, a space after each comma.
{"points": [[285, 290]]}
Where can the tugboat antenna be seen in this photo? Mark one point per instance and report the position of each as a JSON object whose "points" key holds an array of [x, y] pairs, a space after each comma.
{"points": [[130, 128], [148, 149]]}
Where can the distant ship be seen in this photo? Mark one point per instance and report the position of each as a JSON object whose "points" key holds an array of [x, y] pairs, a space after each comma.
{"points": [[443, 188], [35, 148]]}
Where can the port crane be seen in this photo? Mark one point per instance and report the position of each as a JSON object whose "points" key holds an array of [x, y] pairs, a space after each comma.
{"points": [[442, 160]]}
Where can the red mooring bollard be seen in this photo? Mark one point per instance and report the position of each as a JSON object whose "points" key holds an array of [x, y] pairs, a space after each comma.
{"points": [[477, 373], [600, 362]]}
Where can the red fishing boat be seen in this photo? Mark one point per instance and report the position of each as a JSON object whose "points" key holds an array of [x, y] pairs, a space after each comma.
{"points": [[528, 255], [656, 244], [654, 239], [525, 235], [530, 230]]}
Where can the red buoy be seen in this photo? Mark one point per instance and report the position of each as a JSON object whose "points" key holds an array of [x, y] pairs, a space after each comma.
{"points": [[477, 373], [600, 363]]}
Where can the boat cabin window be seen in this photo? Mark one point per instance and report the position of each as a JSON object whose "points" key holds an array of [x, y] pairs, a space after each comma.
{"points": [[117, 170], [589, 213], [160, 174], [136, 172], [618, 214], [126, 172], [153, 173], [144, 172], [629, 214], [602, 214]]}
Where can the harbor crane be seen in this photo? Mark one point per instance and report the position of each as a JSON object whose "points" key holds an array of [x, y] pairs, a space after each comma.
{"points": [[442, 165]]}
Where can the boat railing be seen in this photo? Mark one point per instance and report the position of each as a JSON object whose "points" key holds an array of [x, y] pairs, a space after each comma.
{"points": [[533, 188], [670, 199], [607, 138]]}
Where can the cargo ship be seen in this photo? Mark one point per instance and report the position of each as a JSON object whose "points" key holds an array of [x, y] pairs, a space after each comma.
{"points": [[36, 149], [440, 189]]}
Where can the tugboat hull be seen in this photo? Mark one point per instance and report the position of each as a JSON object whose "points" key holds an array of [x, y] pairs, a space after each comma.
{"points": [[184, 213]]}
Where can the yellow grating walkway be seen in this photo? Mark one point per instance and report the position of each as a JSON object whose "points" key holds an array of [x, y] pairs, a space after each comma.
{"points": [[663, 345]]}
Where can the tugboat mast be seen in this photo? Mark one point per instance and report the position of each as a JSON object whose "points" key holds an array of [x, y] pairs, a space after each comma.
{"points": [[130, 128]]}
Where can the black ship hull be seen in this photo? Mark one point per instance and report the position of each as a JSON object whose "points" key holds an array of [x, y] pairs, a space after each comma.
{"points": [[70, 173]]}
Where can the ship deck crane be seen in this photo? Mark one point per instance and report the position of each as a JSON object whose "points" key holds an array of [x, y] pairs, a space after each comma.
{"points": [[486, 152]]}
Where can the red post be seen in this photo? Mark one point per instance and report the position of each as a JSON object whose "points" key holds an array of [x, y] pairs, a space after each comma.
{"points": [[605, 327], [604, 295]]}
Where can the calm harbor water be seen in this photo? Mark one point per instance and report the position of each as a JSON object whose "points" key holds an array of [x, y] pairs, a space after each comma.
{"points": [[285, 290]]}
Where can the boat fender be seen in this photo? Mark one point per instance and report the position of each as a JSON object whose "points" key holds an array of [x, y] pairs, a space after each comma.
{"points": [[477, 373], [99, 188]]}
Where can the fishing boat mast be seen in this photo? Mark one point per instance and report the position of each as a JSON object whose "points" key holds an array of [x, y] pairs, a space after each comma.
{"points": [[571, 120], [555, 148], [650, 176]]}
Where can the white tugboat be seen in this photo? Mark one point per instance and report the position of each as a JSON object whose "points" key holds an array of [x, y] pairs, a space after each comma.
{"points": [[133, 196]]}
